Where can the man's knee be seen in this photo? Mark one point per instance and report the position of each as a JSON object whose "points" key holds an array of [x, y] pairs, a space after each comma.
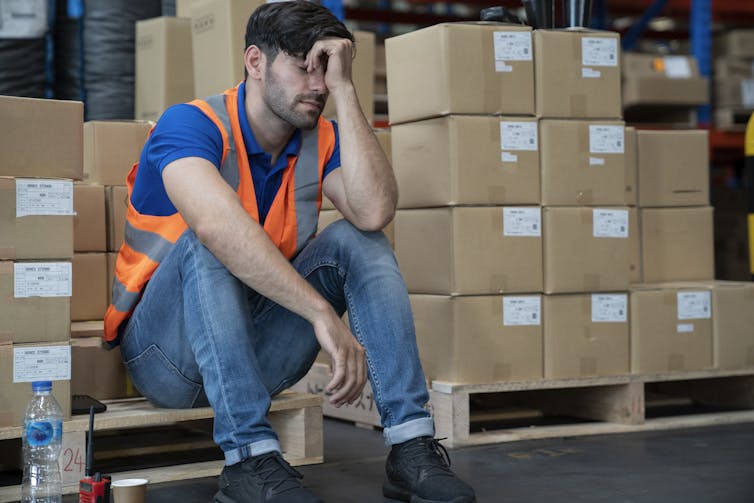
{"points": [[344, 233]]}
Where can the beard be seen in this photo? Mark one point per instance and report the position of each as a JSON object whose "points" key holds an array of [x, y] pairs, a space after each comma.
{"points": [[285, 107]]}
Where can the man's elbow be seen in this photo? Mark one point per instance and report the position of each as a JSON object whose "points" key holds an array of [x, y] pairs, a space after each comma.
{"points": [[377, 220]]}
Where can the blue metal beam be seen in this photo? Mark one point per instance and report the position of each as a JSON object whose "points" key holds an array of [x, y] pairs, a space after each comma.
{"points": [[701, 47], [633, 35]]}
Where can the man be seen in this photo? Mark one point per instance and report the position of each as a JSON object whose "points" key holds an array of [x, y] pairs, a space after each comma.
{"points": [[223, 295]]}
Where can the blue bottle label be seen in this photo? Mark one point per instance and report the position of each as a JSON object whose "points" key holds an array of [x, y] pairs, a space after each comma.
{"points": [[41, 433]]}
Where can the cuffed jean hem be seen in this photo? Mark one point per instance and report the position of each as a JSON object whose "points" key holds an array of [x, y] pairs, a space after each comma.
{"points": [[422, 427], [253, 449]]}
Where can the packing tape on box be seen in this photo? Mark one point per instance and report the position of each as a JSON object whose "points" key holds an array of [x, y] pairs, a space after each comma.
{"points": [[676, 362], [7, 337], [587, 365], [587, 217], [588, 334], [8, 252], [670, 298], [585, 197], [592, 282], [491, 80], [499, 283]]}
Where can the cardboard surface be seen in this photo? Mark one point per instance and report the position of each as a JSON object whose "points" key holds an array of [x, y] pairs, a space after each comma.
{"points": [[583, 162], [736, 43], [41, 138], [460, 68], [677, 244], [673, 168], [733, 324], [89, 230], [660, 341], [579, 342], [164, 71], [734, 92], [465, 250], [466, 340], [460, 160], [31, 319], [15, 396], [89, 299], [96, 371], [362, 74], [634, 244], [116, 200], [218, 37], [632, 167], [111, 258], [576, 261], [111, 148], [649, 79], [577, 74], [32, 236]]}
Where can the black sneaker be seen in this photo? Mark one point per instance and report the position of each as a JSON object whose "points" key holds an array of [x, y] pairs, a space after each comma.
{"points": [[419, 471], [265, 478]]}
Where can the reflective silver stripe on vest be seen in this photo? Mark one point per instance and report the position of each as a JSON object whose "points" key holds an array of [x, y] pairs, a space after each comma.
{"points": [[148, 243], [229, 168], [306, 175], [123, 300]]}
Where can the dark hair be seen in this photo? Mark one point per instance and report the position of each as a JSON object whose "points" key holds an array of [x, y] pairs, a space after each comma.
{"points": [[292, 27]]}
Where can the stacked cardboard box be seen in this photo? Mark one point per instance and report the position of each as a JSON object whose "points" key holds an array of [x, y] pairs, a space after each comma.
{"points": [[734, 79], [468, 231], [40, 155]]}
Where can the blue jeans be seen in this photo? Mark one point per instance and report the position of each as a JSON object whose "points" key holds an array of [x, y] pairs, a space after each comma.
{"points": [[199, 337]]}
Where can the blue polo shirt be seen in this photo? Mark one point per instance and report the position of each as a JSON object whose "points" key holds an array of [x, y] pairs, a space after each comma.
{"points": [[185, 131]]}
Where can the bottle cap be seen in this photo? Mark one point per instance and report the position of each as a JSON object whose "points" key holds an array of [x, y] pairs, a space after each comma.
{"points": [[41, 386]]}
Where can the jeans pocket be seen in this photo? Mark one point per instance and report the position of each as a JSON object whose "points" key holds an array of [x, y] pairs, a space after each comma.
{"points": [[160, 381]]}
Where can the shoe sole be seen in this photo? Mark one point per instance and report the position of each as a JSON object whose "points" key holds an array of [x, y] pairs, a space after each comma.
{"points": [[397, 493]]}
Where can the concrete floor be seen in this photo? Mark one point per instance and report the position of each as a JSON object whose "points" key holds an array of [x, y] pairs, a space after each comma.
{"points": [[714, 464]]}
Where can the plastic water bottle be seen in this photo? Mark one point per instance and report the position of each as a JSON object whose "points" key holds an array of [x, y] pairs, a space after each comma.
{"points": [[42, 439]]}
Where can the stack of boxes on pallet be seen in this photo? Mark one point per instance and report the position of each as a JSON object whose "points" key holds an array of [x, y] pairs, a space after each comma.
{"points": [[734, 79], [40, 156], [516, 232]]}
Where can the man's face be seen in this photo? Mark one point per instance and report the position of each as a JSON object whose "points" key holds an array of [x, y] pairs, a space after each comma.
{"points": [[293, 94]]}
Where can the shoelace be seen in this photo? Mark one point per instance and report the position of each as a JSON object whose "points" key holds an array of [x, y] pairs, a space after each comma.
{"points": [[429, 453], [274, 470]]}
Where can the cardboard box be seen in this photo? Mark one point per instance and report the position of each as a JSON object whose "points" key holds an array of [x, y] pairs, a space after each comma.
{"points": [[632, 168], [15, 396], [41, 138], [25, 315], [470, 250], [362, 74], [671, 328], [733, 68], [650, 79], [677, 244], [732, 322], [586, 335], [634, 245], [36, 219], [460, 68], [164, 65], [89, 229], [116, 200], [583, 163], [111, 258], [467, 160], [585, 249], [734, 92], [736, 43], [577, 74], [219, 35], [479, 339], [673, 168], [89, 299], [96, 371], [111, 148]]}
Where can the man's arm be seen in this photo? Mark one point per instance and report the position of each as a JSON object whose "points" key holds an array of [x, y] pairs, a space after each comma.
{"points": [[364, 189], [213, 211]]}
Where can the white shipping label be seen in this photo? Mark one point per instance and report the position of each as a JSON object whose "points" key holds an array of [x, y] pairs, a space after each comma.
{"points": [[521, 311], [41, 363], [508, 157], [606, 139], [522, 222], [677, 67], [596, 161], [685, 328], [694, 305], [502, 66], [609, 223], [599, 51], [41, 279], [512, 45], [43, 197], [518, 136], [747, 92], [609, 308], [590, 73], [23, 18]]}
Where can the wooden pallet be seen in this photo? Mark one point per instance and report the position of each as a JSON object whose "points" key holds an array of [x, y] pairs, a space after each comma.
{"points": [[613, 404], [295, 417], [732, 119]]}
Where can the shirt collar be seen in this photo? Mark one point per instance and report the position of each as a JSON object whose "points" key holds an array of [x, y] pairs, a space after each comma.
{"points": [[252, 147]]}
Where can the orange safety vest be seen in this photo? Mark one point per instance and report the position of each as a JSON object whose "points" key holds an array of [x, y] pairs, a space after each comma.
{"points": [[290, 223]]}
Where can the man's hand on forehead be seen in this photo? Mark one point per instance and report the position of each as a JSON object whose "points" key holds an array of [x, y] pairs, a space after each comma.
{"points": [[333, 56]]}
